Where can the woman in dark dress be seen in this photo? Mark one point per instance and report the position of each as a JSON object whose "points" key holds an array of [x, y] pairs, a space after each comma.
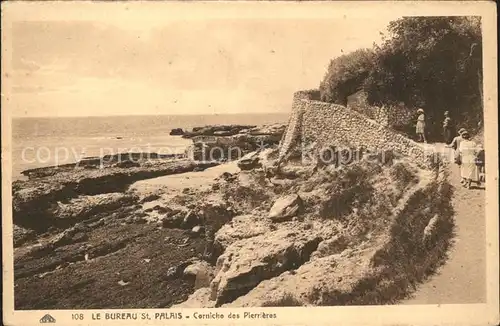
{"points": [[448, 131], [480, 162]]}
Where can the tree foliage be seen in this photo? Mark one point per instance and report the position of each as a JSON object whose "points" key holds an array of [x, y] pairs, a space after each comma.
{"points": [[430, 62], [345, 75]]}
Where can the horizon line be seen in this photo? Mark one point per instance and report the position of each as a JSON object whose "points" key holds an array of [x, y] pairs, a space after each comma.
{"points": [[141, 115]]}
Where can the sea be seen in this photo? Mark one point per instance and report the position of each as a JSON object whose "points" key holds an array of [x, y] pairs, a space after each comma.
{"points": [[41, 142]]}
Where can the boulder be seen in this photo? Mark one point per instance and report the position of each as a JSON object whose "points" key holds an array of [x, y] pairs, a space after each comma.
{"points": [[176, 132], [246, 263], [231, 141], [249, 162], [202, 272], [196, 268], [293, 172], [226, 176], [215, 212], [285, 208]]}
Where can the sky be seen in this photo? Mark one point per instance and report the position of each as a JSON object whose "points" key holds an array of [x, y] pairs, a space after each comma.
{"points": [[160, 62]]}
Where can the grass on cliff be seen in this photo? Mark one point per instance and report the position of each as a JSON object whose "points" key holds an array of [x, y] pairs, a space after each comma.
{"points": [[246, 195], [408, 259], [361, 195], [364, 197], [287, 300]]}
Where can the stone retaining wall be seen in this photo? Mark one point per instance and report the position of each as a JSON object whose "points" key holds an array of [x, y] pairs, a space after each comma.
{"points": [[292, 134], [390, 116], [322, 124]]}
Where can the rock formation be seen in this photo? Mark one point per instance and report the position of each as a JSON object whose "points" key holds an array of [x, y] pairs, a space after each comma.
{"points": [[326, 256], [177, 132], [277, 232], [231, 142]]}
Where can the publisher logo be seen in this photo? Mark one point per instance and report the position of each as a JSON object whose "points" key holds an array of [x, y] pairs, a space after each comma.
{"points": [[47, 319]]}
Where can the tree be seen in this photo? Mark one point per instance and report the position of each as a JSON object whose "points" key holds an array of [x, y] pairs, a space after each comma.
{"points": [[345, 76], [430, 62]]}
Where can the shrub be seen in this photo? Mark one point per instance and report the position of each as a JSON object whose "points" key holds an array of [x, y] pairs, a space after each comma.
{"points": [[344, 76], [288, 300], [351, 186], [403, 176]]}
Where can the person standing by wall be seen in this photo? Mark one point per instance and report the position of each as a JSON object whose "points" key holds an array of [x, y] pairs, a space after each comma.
{"points": [[447, 128], [480, 162], [455, 144], [420, 127]]}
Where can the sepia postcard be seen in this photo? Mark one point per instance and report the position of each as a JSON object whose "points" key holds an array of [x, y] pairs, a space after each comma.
{"points": [[250, 162]]}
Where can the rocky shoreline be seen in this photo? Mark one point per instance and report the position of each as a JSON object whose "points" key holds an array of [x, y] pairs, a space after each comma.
{"points": [[136, 231], [276, 129], [70, 215]]}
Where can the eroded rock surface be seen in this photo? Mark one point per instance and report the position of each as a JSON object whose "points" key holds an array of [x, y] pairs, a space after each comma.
{"points": [[285, 208], [214, 130], [357, 229], [202, 272], [231, 142], [247, 262], [305, 235], [249, 162], [21, 235], [85, 206], [34, 199], [176, 132], [240, 227]]}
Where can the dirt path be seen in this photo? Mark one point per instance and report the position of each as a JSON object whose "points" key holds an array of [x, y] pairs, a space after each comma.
{"points": [[463, 277]]}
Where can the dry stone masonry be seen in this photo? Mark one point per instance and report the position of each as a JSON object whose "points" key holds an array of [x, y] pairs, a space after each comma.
{"points": [[316, 125], [389, 116], [292, 134]]}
